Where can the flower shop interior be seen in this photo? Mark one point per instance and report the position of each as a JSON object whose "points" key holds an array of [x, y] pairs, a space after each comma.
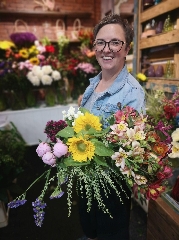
{"points": [[46, 60]]}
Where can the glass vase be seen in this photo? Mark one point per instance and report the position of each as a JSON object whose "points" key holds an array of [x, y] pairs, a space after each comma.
{"points": [[50, 97]]}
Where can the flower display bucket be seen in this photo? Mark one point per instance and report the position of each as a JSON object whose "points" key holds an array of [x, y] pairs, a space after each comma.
{"points": [[4, 214]]}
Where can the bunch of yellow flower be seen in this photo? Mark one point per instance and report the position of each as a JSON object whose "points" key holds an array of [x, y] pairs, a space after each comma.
{"points": [[141, 77]]}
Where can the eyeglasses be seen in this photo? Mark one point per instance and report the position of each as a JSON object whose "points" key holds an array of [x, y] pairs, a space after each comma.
{"points": [[113, 45]]}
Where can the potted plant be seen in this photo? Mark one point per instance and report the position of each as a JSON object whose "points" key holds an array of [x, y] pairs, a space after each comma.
{"points": [[12, 150]]}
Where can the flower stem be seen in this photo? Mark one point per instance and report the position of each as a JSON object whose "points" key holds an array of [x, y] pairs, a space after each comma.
{"points": [[37, 179]]}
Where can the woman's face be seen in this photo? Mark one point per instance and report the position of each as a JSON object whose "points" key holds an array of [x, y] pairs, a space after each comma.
{"points": [[107, 59]]}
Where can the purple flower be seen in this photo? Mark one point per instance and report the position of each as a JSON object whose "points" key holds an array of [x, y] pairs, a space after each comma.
{"points": [[16, 203], [56, 194], [23, 39], [39, 213], [161, 127], [42, 149]]}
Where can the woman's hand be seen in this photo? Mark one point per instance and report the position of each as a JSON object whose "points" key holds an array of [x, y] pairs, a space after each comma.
{"points": [[79, 99]]}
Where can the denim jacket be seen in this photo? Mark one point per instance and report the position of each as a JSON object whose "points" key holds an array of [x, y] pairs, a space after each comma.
{"points": [[125, 90]]}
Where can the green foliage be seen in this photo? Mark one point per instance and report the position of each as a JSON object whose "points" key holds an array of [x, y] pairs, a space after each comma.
{"points": [[12, 150]]}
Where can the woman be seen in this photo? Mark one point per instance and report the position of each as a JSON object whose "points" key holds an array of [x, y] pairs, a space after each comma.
{"points": [[111, 89]]}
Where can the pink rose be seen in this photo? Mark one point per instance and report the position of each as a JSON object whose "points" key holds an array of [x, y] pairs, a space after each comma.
{"points": [[60, 149], [49, 158], [42, 149]]}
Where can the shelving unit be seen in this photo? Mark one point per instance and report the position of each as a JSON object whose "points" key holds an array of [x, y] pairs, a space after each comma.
{"points": [[55, 14], [161, 47], [36, 18]]}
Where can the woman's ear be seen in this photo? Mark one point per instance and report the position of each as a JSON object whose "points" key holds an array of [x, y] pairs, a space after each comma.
{"points": [[127, 49]]}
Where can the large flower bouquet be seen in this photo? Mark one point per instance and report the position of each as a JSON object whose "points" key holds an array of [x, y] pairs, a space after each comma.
{"points": [[160, 106], [80, 64], [17, 60], [129, 148]]}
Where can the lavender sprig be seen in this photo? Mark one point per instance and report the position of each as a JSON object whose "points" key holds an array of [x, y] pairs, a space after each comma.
{"points": [[39, 212], [16, 203], [58, 193], [19, 201]]}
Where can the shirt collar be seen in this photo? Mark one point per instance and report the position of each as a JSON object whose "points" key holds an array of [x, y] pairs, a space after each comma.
{"points": [[117, 84]]}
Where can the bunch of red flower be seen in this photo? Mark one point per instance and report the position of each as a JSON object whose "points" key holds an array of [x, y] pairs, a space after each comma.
{"points": [[171, 106], [69, 65], [53, 127], [86, 36]]}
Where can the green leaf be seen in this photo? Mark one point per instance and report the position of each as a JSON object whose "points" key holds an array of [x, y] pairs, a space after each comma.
{"points": [[100, 161], [101, 149], [70, 162], [83, 110], [66, 132]]}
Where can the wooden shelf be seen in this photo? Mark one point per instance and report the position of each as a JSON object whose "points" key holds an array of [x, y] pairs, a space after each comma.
{"points": [[166, 84], [163, 221], [161, 8], [159, 47], [160, 39], [45, 13]]}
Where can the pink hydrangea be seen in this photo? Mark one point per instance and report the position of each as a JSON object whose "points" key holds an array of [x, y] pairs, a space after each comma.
{"points": [[49, 158], [60, 149], [42, 149]]}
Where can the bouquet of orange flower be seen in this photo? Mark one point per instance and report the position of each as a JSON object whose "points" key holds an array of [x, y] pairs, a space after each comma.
{"points": [[128, 148]]}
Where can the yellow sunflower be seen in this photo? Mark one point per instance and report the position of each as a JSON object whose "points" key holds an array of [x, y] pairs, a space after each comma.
{"points": [[34, 61], [87, 121], [82, 150], [24, 53]]}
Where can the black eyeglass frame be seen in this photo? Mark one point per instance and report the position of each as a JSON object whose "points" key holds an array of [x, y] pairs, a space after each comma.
{"points": [[108, 45]]}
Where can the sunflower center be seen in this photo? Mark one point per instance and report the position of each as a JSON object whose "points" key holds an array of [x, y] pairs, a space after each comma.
{"points": [[87, 127], [81, 146]]}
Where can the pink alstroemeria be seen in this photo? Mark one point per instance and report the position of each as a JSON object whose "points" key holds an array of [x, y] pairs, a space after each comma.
{"points": [[119, 116], [119, 129], [49, 158], [40, 47], [27, 64], [42, 149], [140, 179], [165, 173], [86, 67], [119, 158], [41, 57], [126, 171], [129, 111], [60, 149]]}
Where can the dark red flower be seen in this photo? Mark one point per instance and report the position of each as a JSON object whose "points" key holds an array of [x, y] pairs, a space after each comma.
{"points": [[154, 191], [175, 190], [53, 127]]}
